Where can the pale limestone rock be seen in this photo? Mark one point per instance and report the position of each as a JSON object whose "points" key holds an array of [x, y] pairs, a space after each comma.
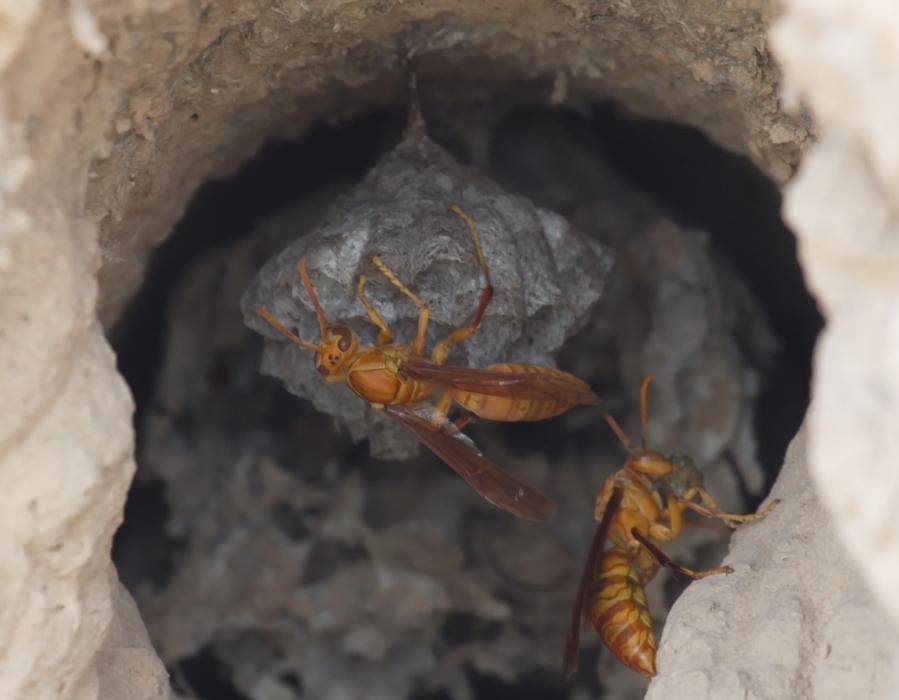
{"points": [[794, 620], [842, 59], [99, 154], [127, 665], [63, 481]]}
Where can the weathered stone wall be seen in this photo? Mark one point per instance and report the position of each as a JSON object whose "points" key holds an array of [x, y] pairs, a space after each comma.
{"points": [[794, 620], [113, 112], [842, 58]]}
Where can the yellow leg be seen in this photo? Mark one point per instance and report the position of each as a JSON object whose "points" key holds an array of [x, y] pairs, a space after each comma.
{"points": [[669, 563], [465, 419], [385, 336], [670, 532], [442, 350], [440, 410], [713, 511], [418, 345]]}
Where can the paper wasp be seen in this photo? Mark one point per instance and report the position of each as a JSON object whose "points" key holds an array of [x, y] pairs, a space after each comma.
{"points": [[632, 509], [394, 377]]}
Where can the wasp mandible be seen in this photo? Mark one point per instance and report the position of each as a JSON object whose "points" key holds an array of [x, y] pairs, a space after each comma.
{"points": [[635, 519], [395, 377]]}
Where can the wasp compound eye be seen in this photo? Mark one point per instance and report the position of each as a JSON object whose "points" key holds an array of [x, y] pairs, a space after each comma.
{"points": [[346, 337]]}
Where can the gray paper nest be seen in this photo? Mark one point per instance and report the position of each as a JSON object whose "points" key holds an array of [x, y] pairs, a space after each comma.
{"points": [[547, 277]]}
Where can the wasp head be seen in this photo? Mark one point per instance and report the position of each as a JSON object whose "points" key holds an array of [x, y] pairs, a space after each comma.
{"points": [[337, 346], [684, 475]]}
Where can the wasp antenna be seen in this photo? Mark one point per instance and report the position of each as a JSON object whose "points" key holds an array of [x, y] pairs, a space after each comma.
{"points": [[322, 321], [644, 390], [281, 327], [620, 433]]}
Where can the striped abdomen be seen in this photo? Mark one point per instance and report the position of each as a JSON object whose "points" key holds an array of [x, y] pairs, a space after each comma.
{"points": [[617, 608], [511, 409]]}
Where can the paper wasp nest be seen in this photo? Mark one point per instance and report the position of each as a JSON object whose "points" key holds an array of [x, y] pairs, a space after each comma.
{"points": [[546, 278]]}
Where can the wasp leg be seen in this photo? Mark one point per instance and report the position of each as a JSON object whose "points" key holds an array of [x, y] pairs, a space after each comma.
{"points": [[386, 335], [466, 419], [669, 563], [442, 349], [438, 417], [711, 509], [418, 345], [674, 511], [440, 410]]}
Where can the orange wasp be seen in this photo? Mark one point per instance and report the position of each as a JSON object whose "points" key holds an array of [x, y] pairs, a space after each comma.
{"points": [[393, 377], [632, 517]]}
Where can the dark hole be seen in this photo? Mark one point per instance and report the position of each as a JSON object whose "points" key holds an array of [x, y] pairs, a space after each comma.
{"points": [[141, 550], [703, 185], [327, 557], [430, 695], [289, 522], [542, 685], [292, 680], [461, 628], [699, 183], [206, 678]]}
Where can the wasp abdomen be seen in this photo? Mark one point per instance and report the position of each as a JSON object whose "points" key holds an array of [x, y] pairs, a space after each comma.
{"points": [[618, 611], [503, 408]]}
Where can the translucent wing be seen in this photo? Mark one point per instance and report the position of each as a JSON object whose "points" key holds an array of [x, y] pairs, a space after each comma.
{"points": [[563, 388], [454, 448], [573, 638]]}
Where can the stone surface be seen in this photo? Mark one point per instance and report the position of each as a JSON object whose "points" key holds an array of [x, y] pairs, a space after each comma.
{"points": [[182, 94], [63, 480], [842, 60], [127, 664], [112, 113], [794, 620], [546, 278]]}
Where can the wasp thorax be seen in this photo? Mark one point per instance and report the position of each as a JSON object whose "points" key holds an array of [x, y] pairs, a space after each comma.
{"points": [[651, 463], [335, 350]]}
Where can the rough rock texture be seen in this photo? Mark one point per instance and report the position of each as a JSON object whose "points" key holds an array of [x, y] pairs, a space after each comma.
{"points": [[111, 114], [843, 61], [127, 664], [546, 278], [794, 620], [64, 480], [184, 92]]}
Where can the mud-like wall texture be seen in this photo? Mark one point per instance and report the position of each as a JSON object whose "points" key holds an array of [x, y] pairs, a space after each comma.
{"points": [[843, 206], [113, 112]]}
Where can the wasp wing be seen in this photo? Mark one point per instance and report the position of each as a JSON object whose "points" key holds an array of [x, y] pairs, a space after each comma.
{"points": [[573, 638], [458, 451], [519, 385]]}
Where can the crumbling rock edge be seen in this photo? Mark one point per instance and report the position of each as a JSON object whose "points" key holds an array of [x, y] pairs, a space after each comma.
{"points": [[113, 113], [794, 620]]}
